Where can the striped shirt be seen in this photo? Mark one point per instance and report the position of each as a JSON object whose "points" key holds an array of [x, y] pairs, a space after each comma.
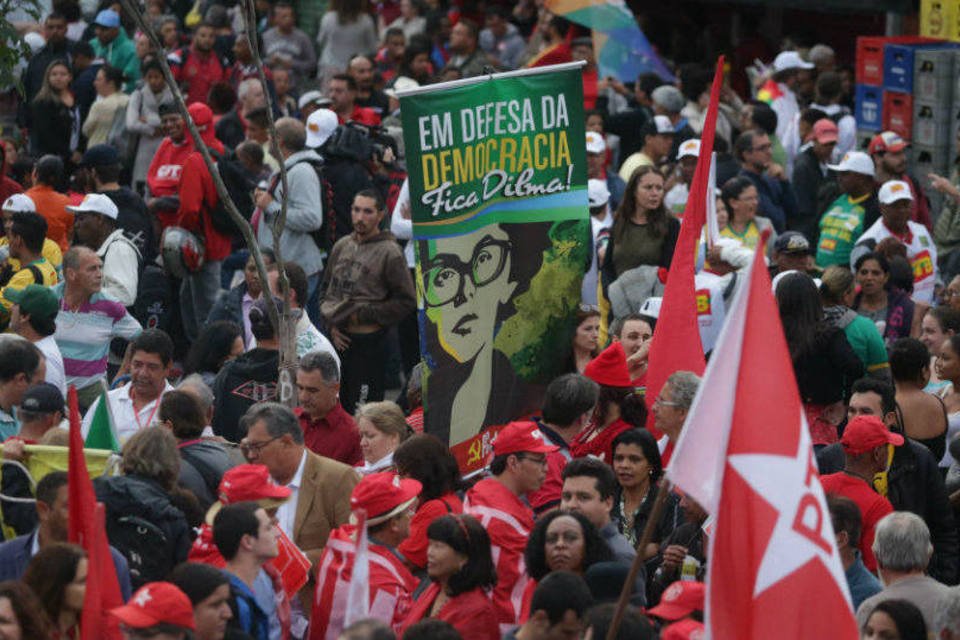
{"points": [[84, 335]]}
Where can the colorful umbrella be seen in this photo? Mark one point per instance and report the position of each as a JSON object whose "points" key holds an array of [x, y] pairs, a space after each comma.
{"points": [[622, 51]]}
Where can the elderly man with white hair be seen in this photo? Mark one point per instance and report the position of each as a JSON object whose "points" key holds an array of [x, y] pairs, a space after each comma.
{"points": [[902, 548]]}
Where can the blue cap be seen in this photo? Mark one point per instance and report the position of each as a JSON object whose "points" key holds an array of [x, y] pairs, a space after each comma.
{"points": [[100, 155], [107, 18]]}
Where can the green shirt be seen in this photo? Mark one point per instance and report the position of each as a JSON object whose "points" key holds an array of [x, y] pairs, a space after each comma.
{"points": [[840, 227], [636, 245], [867, 343]]}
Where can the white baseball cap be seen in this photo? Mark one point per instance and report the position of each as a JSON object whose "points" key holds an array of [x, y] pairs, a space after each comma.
{"points": [[314, 97], [790, 60], [595, 142], [664, 125], [855, 161], [597, 192], [19, 202], [651, 307], [689, 148], [894, 191], [403, 83], [320, 126], [96, 203]]}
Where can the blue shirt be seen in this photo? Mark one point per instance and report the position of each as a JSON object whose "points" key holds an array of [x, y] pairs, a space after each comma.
{"points": [[862, 583], [248, 615]]}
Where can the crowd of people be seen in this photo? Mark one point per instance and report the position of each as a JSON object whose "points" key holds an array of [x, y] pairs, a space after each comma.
{"points": [[220, 485]]}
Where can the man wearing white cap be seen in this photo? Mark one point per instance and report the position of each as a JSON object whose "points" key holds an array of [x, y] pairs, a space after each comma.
{"points": [[657, 136], [310, 102], [786, 67], [95, 227], [304, 208], [321, 124], [676, 198], [20, 202], [896, 207], [846, 217], [597, 168], [600, 222]]}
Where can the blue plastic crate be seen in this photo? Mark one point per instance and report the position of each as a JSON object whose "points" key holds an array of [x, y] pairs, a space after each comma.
{"points": [[869, 107], [898, 63]]}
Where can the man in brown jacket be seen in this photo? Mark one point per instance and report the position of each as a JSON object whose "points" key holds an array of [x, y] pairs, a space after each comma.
{"points": [[320, 498], [366, 289]]}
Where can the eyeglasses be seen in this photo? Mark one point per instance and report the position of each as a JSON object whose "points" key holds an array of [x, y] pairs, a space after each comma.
{"points": [[665, 403], [444, 277], [763, 147], [538, 460], [250, 448]]}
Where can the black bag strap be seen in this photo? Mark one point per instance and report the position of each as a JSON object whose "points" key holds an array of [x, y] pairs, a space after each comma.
{"points": [[37, 274]]}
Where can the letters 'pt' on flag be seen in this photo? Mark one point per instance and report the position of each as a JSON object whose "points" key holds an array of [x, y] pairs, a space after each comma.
{"points": [[745, 455]]}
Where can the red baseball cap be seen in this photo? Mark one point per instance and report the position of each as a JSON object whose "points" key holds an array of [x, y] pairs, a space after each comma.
{"points": [[610, 367], [521, 437], [886, 141], [384, 495], [248, 482], [680, 600], [688, 629], [824, 131], [155, 603], [866, 433]]}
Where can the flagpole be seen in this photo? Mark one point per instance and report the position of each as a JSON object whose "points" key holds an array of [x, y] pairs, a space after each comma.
{"points": [[662, 489]]}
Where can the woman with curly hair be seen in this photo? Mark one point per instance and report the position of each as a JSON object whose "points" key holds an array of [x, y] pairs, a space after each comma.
{"points": [[58, 577]]}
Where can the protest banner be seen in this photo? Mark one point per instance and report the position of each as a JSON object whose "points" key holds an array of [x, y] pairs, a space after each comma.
{"points": [[498, 190]]}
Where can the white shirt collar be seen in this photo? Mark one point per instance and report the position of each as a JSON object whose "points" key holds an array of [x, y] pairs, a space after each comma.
{"points": [[124, 395], [297, 479]]}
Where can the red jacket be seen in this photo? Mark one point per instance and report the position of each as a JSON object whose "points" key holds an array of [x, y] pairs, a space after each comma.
{"points": [[197, 74], [163, 176], [508, 521], [590, 443], [470, 613], [391, 585], [198, 198], [414, 548]]}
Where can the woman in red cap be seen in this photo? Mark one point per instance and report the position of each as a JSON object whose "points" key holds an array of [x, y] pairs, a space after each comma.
{"points": [[461, 567], [159, 611], [618, 407]]}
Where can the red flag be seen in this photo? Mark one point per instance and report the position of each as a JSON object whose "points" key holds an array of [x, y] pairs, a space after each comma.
{"points": [[676, 340], [746, 456], [87, 528]]}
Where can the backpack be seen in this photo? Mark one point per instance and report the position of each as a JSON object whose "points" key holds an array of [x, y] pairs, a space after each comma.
{"points": [[239, 186], [153, 306], [143, 544], [345, 172]]}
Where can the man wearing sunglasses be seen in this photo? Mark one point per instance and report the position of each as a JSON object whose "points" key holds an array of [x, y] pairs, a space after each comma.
{"points": [[366, 289]]}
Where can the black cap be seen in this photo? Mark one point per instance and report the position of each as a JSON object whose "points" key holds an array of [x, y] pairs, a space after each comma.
{"points": [[100, 155], [792, 242], [166, 108], [42, 398]]}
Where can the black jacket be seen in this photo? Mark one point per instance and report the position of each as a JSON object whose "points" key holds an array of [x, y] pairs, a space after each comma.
{"points": [[54, 136], [202, 465], [143, 498], [808, 180], [134, 221], [243, 382], [915, 485]]}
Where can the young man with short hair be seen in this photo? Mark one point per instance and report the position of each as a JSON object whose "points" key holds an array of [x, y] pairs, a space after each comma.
{"points": [[588, 487]]}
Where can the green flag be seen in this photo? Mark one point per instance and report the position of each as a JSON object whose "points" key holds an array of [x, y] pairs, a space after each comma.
{"points": [[102, 434]]}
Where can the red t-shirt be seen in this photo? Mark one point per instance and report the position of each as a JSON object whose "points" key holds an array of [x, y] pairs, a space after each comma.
{"points": [[873, 507], [363, 115], [333, 436], [198, 73]]}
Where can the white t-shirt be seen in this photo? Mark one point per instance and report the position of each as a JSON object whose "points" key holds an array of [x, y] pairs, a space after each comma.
{"points": [[711, 309], [921, 253], [588, 290], [55, 375]]}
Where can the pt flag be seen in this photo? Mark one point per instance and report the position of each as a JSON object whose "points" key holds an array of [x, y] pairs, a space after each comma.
{"points": [[501, 228], [745, 454], [676, 342], [87, 528]]}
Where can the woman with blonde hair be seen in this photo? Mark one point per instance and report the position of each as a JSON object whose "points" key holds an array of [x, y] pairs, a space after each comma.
{"points": [[382, 427], [837, 291]]}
